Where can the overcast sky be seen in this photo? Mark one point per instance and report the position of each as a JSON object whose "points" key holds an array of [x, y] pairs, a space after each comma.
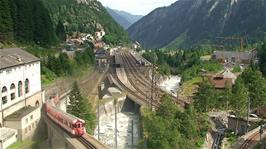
{"points": [[141, 7]]}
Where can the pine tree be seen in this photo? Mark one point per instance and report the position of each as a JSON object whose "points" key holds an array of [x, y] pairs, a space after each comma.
{"points": [[240, 98], [80, 107], [60, 31], [6, 21]]}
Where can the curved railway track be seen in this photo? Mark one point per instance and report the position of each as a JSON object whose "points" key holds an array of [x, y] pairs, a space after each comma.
{"points": [[141, 85], [127, 89], [250, 140], [130, 61]]}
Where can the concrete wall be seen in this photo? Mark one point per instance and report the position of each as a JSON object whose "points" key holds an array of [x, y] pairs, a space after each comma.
{"points": [[58, 139]]}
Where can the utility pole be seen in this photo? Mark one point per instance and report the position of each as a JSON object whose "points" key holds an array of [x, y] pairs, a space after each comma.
{"points": [[261, 132], [115, 102], [132, 137], [152, 84], [98, 110], [248, 111]]}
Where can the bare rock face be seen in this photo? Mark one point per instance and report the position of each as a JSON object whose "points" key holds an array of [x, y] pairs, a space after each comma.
{"points": [[190, 22]]}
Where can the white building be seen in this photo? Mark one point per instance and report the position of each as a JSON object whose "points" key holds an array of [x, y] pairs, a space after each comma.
{"points": [[8, 136], [20, 89]]}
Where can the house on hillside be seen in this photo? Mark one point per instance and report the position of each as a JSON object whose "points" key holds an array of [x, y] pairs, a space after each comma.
{"points": [[235, 57], [222, 80], [20, 94]]}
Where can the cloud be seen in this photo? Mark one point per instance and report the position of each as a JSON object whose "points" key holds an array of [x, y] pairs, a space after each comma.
{"points": [[142, 7]]}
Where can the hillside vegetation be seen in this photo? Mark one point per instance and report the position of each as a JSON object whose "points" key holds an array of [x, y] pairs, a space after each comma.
{"points": [[187, 23], [85, 16], [26, 21], [35, 21]]}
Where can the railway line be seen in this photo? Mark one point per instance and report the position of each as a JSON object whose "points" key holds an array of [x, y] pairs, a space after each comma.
{"points": [[126, 88], [90, 142], [133, 70], [250, 141], [137, 82]]}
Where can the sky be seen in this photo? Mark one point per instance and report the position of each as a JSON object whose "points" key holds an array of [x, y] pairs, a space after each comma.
{"points": [[139, 7]]}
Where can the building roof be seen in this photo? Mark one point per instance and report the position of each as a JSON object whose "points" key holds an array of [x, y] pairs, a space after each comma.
{"points": [[15, 56], [18, 115], [227, 54], [220, 82], [6, 133], [101, 53]]}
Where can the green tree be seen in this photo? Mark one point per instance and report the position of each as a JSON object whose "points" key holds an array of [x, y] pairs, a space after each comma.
{"points": [[206, 98], [162, 127], [256, 85], [80, 107], [240, 98], [60, 31], [6, 22], [65, 64], [262, 58]]}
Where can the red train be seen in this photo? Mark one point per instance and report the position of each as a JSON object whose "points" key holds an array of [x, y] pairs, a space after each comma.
{"points": [[70, 123]]}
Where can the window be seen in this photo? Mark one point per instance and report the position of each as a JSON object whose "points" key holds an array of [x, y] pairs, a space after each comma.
{"points": [[19, 89], [27, 89], [12, 96], [4, 89], [30, 128], [27, 120], [12, 86], [31, 117], [4, 100]]}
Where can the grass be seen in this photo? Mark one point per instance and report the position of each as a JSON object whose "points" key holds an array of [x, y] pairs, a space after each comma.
{"points": [[205, 58], [188, 88], [25, 145], [232, 138]]}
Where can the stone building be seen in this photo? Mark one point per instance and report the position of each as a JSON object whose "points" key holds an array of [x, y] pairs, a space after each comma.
{"points": [[235, 57], [20, 91]]}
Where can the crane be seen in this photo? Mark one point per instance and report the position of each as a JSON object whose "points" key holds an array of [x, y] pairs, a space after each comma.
{"points": [[241, 39]]}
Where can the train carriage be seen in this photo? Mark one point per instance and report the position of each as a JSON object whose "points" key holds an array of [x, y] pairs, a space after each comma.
{"points": [[70, 123]]}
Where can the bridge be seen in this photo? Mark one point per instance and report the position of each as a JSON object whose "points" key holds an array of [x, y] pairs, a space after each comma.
{"points": [[59, 138]]}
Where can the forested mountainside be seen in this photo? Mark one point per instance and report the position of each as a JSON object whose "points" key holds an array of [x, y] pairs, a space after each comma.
{"points": [[85, 16], [125, 19], [190, 22], [34, 21], [26, 21]]}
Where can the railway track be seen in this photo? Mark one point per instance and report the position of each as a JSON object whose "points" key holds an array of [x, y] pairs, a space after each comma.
{"points": [[133, 79], [144, 81], [249, 141], [127, 89], [86, 143], [91, 143]]}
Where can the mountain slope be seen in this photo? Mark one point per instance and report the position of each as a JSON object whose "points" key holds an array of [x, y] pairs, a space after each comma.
{"points": [[119, 19], [190, 22], [26, 21], [85, 16], [125, 19]]}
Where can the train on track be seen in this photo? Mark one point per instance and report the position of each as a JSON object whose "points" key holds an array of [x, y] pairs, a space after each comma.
{"points": [[70, 123]]}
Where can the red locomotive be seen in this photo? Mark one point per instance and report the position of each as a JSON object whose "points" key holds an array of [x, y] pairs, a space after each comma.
{"points": [[70, 123]]}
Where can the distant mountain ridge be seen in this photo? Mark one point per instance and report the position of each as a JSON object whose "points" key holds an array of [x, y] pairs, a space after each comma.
{"points": [[190, 22], [125, 19]]}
